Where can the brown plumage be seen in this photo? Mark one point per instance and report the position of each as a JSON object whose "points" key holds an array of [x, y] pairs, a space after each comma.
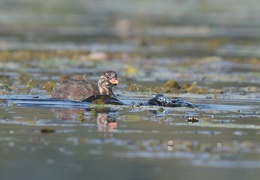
{"points": [[78, 90]]}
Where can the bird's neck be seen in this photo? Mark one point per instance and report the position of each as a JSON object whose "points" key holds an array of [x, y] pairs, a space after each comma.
{"points": [[106, 91], [103, 90]]}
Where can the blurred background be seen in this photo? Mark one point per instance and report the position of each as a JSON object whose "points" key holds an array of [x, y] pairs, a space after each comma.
{"points": [[161, 28], [123, 35]]}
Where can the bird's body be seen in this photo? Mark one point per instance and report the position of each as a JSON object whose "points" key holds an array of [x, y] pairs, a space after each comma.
{"points": [[78, 90]]}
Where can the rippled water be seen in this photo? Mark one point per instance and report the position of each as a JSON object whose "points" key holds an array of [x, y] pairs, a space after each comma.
{"points": [[78, 141], [212, 43]]}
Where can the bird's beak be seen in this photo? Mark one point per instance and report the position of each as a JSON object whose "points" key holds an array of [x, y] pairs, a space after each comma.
{"points": [[114, 81]]}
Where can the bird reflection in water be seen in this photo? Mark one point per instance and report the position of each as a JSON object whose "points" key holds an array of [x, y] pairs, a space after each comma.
{"points": [[105, 121]]}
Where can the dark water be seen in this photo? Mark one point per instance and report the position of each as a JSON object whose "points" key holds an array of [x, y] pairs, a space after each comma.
{"points": [[215, 43]]}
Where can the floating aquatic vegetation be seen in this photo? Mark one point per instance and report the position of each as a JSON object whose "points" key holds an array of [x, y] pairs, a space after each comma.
{"points": [[214, 125], [18, 55], [160, 109], [29, 84], [190, 88], [130, 118], [93, 113], [48, 86], [201, 91], [80, 116], [24, 77], [99, 99], [47, 130], [130, 71], [216, 92], [193, 120], [171, 86], [5, 88], [135, 87]]}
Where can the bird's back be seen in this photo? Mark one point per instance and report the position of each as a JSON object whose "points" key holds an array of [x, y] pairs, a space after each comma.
{"points": [[72, 89]]}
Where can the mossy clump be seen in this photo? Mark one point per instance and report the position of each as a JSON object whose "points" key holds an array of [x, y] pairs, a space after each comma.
{"points": [[171, 86], [190, 87], [5, 88], [48, 86], [131, 71], [47, 130], [80, 116], [24, 77], [168, 87], [93, 113], [217, 92], [160, 110], [29, 84], [135, 87], [98, 102], [201, 91]]}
